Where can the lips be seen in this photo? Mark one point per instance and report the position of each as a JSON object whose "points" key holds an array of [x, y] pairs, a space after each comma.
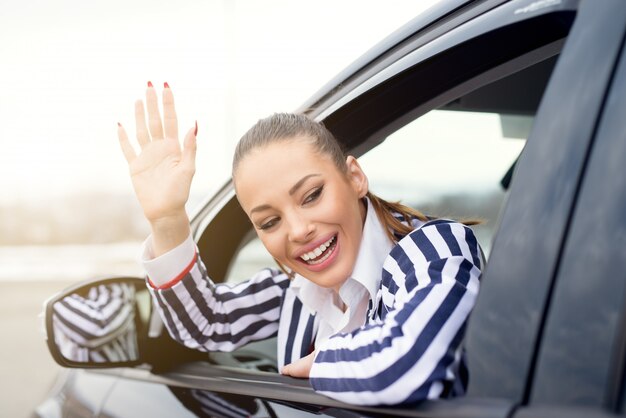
{"points": [[320, 255], [314, 256]]}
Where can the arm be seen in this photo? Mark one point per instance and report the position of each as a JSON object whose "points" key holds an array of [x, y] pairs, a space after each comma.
{"points": [[196, 312], [414, 352], [209, 317]]}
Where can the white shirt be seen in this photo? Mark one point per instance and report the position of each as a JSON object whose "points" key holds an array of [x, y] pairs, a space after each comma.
{"points": [[357, 290]]}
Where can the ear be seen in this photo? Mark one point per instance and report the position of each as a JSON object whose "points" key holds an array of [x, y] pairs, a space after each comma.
{"points": [[357, 177]]}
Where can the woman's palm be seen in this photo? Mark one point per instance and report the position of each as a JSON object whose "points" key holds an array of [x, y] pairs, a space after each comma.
{"points": [[161, 172]]}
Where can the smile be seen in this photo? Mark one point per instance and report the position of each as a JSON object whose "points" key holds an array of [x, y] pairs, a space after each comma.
{"points": [[321, 253]]}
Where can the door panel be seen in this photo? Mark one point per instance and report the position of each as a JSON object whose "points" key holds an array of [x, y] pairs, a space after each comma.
{"points": [[583, 342], [516, 285]]}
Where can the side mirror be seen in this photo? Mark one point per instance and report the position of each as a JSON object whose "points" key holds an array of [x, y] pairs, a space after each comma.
{"points": [[101, 323]]}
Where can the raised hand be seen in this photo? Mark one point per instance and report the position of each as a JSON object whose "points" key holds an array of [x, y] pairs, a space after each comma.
{"points": [[161, 172]]}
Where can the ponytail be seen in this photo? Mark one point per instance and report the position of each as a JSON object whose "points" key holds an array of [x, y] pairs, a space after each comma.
{"points": [[397, 228], [387, 212]]}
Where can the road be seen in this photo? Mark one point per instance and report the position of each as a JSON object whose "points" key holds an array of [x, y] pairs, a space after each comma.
{"points": [[27, 371]]}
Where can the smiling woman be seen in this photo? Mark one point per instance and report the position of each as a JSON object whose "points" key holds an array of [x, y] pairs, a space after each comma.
{"points": [[288, 201], [373, 297]]}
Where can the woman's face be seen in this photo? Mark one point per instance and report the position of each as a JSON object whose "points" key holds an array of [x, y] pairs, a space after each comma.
{"points": [[308, 214]]}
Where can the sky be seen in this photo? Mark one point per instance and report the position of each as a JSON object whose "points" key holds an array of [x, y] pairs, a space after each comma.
{"points": [[72, 69]]}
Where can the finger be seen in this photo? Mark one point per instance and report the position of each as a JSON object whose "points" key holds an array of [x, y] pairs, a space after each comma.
{"points": [[286, 370], [189, 148], [127, 148], [291, 370], [143, 137], [154, 118], [299, 368], [170, 122]]}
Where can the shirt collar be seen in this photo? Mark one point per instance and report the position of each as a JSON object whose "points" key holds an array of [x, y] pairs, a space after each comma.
{"points": [[374, 248]]}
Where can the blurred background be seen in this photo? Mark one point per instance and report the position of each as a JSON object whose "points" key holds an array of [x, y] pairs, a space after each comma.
{"points": [[71, 70]]}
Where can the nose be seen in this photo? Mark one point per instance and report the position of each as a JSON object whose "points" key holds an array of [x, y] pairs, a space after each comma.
{"points": [[300, 228]]}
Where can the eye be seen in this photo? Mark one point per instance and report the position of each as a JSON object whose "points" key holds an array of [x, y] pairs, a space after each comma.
{"points": [[269, 224], [313, 196]]}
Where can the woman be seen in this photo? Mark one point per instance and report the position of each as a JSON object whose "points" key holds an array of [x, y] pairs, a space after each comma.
{"points": [[371, 298]]}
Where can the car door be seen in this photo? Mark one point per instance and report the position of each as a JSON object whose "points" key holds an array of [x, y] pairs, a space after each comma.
{"points": [[473, 57], [580, 355], [555, 349]]}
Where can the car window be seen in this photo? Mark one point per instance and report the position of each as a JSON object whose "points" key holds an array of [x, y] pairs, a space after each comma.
{"points": [[453, 162], [450, 164], [445, 164]]}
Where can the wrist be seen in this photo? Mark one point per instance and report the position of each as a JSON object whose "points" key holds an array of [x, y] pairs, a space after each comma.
{"points": [[168, 232]]}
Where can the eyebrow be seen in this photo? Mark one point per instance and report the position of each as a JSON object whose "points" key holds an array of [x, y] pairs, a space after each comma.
{"points": [[300, 183], [260, 208], [294, 189]]}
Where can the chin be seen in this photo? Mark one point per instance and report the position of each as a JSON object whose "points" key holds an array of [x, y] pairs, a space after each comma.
{"points": [[327, 279]]}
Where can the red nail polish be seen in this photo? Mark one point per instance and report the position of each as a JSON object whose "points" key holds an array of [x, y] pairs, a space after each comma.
{"points": [[150, 84], [195, 132], [167, 86]]}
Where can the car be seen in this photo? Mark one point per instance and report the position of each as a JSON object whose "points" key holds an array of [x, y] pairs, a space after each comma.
{"points": [[511, 111]]}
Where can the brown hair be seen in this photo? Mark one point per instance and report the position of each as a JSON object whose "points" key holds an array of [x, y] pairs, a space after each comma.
{"points": [[285, 126]]}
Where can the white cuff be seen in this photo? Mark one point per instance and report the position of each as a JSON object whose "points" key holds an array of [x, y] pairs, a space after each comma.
{"points": [[166, 267]]}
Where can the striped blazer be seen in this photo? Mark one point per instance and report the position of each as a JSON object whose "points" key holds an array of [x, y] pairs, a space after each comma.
{"points": [[409, 349]]}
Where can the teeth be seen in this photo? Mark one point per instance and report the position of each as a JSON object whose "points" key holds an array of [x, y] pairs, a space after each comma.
{"points": [[318, 251]]}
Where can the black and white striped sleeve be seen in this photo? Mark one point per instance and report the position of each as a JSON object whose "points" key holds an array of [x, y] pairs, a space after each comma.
{"points": [[210, 317]]}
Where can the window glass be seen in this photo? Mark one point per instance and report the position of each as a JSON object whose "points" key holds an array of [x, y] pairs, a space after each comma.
{"points": [[449, 164]]}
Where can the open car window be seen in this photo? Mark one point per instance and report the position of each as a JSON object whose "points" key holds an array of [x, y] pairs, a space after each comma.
{"points": [[452, 162]]}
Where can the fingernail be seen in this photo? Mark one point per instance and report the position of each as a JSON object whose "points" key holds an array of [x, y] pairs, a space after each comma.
{"points": [[119, 124], [195, 132], [150, 84], [167, 86]]}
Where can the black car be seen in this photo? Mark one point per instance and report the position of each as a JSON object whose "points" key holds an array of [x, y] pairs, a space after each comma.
{"points": [[512, 111]]}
